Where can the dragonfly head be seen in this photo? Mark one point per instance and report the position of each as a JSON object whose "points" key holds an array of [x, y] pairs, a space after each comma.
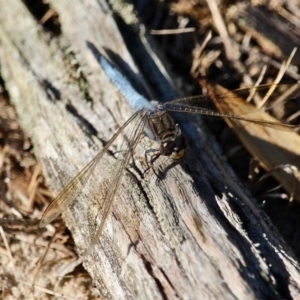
{"points": [[173, 144]]}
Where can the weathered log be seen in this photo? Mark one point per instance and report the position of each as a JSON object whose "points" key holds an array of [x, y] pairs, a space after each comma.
{"points": [[194, 233]]}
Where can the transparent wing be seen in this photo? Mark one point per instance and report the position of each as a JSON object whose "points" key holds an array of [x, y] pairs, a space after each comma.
{"points": [[133, 139], [76, 185], [202, 105]]}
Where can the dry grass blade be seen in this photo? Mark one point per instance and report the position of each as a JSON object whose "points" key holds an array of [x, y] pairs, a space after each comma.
{"points": [[38, 266], [221, 27], [48, 291], [172, 31], [280, 74], [8, 249]]}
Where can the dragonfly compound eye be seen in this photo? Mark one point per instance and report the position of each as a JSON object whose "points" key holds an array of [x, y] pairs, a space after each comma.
{"points": [[180, 145], [167, 148], [175, 148]]}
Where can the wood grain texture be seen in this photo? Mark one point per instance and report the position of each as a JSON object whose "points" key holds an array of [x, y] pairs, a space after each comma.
{"points": [[193, 234]]}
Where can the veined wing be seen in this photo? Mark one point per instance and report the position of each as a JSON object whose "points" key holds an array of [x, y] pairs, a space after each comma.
{"points": [[199, 104], [116, 178], [74, 187]]}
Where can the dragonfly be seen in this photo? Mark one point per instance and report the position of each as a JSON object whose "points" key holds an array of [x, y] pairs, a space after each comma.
{"points": [[152, 118]]}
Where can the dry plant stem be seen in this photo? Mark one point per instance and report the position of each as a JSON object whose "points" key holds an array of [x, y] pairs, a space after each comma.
{"points": [[285, 96], [280, 74], [39, 265], [33, 186], [275, 35], [176, 238], [221, 27], [49, 292], [8, 249], [257, 83], [197, 56], [172, 31], [231, 48], [42, 243]]}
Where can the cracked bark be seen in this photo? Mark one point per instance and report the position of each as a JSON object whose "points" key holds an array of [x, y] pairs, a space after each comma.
{"points": [[176, 238]]}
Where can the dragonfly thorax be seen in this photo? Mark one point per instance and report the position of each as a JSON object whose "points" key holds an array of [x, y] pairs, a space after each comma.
{"points": [[162, 128]]}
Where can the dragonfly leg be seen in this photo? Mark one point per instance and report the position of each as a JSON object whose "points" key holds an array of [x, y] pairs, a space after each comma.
{"points": [[152, 160]]}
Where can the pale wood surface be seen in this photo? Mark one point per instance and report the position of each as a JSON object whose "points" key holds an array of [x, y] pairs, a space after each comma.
{"points": [[183, 237]]}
